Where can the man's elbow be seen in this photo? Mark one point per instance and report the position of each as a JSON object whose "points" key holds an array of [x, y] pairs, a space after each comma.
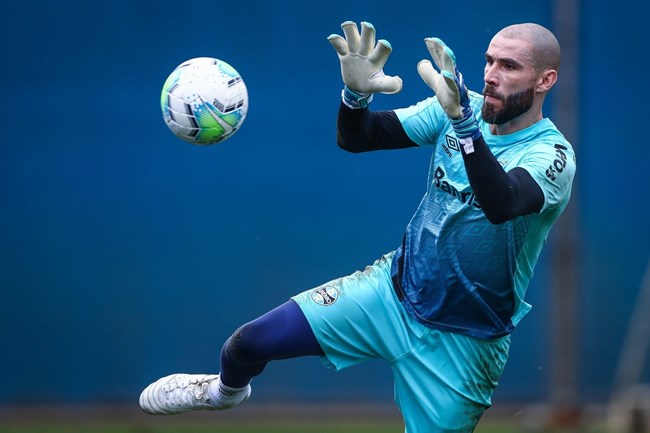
{"points": [[497, 218], [346, 145]]}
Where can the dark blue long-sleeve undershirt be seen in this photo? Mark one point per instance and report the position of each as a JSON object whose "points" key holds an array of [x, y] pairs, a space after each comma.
{"points": [[502, 195]]}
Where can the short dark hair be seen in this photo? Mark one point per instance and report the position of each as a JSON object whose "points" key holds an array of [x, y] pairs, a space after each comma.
{"points": [[543, 43]]}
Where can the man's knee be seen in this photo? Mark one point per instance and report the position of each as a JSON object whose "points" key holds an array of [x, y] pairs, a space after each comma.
{"points": [[243, 345]]}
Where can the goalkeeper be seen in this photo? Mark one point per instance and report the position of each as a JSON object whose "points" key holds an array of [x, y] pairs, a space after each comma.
{"points": [[441, 307]]}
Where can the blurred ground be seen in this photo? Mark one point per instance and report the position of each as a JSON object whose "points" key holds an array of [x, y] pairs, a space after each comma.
{"points": [[357, 418]]}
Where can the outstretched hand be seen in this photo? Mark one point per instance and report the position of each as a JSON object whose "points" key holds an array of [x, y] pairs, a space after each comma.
{"points": [[449, 87], [362, 60], [444, 83]]}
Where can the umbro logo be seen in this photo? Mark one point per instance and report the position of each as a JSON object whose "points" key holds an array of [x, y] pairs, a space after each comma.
{"points": [[451, 143]]}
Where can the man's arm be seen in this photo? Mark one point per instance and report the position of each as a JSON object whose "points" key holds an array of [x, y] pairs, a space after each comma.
{"points": [[361, 130], [362, 61], [502, 195]]}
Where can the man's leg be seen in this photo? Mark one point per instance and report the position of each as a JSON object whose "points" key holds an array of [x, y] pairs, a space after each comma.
{"points": [[281, 333], [446, 383]]}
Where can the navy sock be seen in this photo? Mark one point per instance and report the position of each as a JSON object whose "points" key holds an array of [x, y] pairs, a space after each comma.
{"points": [[282, 333]]}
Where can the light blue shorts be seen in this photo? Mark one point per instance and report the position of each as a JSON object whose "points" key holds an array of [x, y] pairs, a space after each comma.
{"points": [[443, 381]]}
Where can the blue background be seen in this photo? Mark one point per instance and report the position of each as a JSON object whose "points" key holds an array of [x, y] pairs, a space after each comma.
{"points": [[127, 254]]}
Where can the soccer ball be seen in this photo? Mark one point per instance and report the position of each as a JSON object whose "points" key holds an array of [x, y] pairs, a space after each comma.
{"points": [[204, 101]]}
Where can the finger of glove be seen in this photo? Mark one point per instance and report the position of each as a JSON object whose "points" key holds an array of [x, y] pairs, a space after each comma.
{"points": [[442, 55], [429, 75], [451, 81], [351, 35], [380, 54], [367, 38], [385, 84], [454, 92], [339, 44]]}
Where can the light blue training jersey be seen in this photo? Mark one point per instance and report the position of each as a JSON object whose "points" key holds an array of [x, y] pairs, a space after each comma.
{"points": [[462, 273]]}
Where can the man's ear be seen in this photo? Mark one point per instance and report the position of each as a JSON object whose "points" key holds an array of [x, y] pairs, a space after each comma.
{"points": [[546, 81]]}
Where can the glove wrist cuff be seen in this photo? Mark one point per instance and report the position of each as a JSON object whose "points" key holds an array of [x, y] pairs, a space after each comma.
{"points": [[466, 126], [355, 100]]}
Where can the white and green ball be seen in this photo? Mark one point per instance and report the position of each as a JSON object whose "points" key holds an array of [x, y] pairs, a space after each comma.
{"points": [[204, 101]]}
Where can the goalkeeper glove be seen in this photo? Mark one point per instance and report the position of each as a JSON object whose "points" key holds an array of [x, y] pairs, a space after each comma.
{"points": [[362, 63], [449, 87]]}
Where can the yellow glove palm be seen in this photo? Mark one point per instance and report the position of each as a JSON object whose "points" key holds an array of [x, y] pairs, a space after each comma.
{"points": [[442, 83], [449, 87], [362, 60]]}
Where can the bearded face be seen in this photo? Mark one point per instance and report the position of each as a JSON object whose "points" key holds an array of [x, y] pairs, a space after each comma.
{"points": [[511, 106]]}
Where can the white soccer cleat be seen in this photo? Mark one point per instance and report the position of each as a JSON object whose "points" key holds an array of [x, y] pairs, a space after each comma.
{"points": [[178, 393]]}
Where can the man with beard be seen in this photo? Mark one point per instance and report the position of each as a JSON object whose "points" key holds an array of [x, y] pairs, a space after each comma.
{"points": [[441, 307]]}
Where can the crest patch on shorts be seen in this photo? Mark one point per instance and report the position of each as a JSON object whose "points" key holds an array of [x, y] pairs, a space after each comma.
{"points": [[325, 295]]}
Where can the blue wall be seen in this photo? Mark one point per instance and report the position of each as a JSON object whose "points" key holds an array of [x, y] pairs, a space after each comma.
{"points": [[614, 183], [126, 254]]}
